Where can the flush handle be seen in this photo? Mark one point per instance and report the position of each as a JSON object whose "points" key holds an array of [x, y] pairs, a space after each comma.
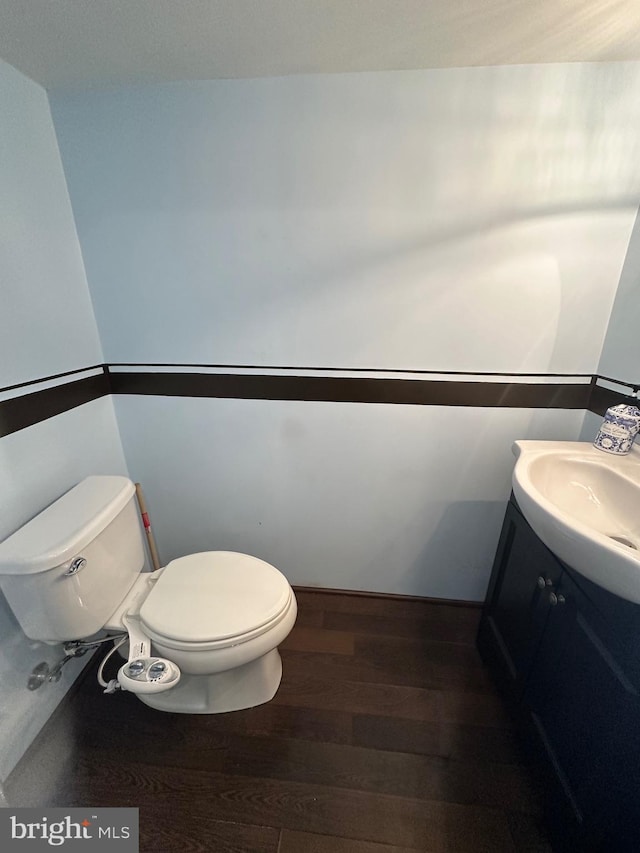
{"points": [[76, 566]]}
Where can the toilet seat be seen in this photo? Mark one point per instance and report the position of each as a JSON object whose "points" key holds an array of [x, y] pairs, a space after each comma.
{"points": [[213, 600]]}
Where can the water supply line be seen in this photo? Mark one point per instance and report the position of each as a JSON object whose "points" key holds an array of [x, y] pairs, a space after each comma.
{"points": [[112, 685], [45, 674]]}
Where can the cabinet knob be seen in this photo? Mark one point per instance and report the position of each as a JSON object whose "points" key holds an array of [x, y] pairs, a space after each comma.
{"points": [[544, 582], [556, 599]]}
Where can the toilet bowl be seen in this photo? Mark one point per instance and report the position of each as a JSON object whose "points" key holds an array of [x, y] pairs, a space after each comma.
{"points": [[209, 624], [220, 616]]}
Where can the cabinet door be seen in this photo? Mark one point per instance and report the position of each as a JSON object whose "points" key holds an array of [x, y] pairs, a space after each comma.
{"points": [[587, 714], [517, 607]]}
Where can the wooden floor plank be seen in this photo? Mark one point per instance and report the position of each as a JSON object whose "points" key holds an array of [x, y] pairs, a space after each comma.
{"points": [[413, 703], [422, 824], [366, 769], [326, 726], [306, 842], [308, 618], [388, 606], [438, 627], [304, 639], [360, 697], [365, 665], [389, 650], [466, 743], [205, 835], [479, 709]]}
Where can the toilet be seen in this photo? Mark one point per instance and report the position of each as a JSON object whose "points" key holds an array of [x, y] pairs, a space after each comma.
{"points": [[216, 618]]}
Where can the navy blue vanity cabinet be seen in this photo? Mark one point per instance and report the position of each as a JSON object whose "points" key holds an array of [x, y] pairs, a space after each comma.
{"points": [[586, 713], [567, 654], [517, 605]]}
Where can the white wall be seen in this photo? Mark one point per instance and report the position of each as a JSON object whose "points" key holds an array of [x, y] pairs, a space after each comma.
{"points": [[47, 322], [46, 326], [461, 219], [391, 498], [620, 358], [621, 351]]}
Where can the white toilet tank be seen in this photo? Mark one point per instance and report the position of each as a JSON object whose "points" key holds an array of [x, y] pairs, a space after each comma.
{"points": [[65, 572]]}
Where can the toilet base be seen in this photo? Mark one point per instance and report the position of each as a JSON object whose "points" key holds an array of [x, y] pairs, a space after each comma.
{"points": [[246, 686]]}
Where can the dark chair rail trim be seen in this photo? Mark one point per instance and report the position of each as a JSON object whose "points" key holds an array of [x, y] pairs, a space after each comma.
{"points": [[342, 389], [33, 406], [26, 410]]}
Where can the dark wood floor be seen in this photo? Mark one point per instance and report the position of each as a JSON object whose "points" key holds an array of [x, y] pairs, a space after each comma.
{"points": [[386, 736]]}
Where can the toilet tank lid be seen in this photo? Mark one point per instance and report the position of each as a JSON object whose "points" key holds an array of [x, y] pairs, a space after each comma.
{"points": [[61, 530]]}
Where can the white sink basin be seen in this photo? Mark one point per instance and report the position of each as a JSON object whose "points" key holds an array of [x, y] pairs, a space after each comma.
{"points": [[585, 506]]}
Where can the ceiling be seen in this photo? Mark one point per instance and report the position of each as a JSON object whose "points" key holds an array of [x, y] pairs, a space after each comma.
{"points": [[88, 43]]}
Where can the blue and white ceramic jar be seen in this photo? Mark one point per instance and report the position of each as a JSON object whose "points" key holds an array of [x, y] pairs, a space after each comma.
{"points": [[619, 428]]}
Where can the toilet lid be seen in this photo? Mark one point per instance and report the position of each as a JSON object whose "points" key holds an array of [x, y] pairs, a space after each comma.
{"points": [[214, 595]]}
